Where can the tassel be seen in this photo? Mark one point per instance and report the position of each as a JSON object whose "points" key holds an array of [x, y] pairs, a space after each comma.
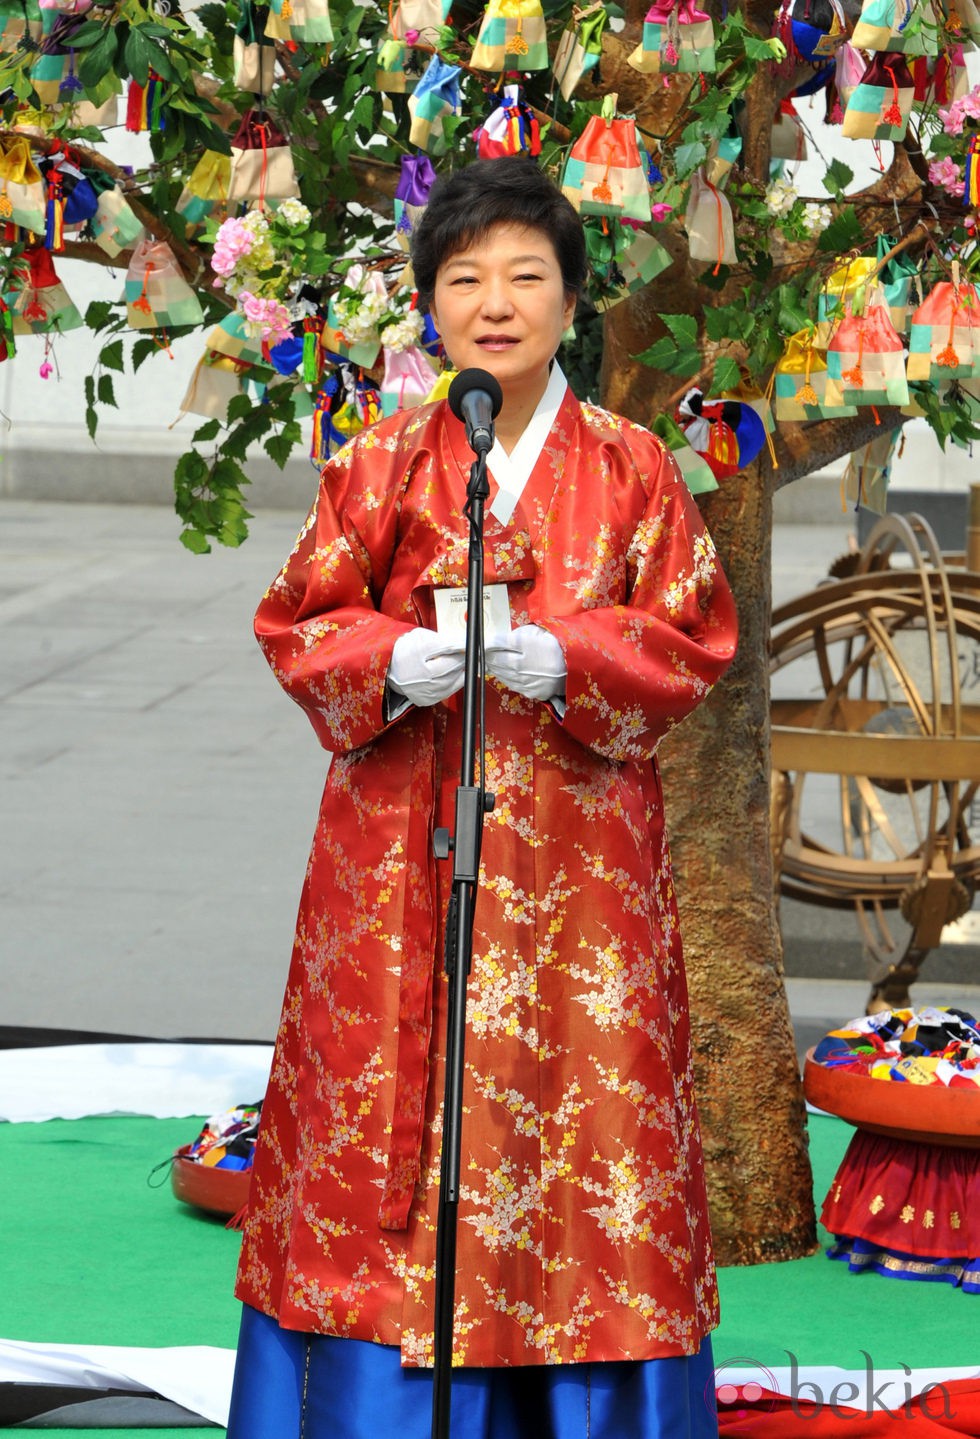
{"points": [[893, 115], [517, 45], [54, 214], [135, 108], [971, 185], [948, 358], [237, 1220], [155, 91], [143, 303], [311, 359], [808, 395]]}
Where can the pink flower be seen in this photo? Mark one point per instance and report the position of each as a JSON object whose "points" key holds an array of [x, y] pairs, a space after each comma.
{"points": [[223, 261], [953, 118], [660, 211], [947, 174], [46, 370], [271, 316], [971, 104]]}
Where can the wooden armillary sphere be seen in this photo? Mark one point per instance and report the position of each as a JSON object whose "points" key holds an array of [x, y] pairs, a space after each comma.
{"points": [[876, 747]]}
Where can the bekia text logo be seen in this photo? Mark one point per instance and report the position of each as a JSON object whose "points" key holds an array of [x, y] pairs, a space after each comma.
{"points": [[743, 1384]]}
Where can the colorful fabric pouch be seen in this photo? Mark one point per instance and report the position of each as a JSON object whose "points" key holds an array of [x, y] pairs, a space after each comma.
{"points": [[643, 259], [261, 162], [866, 358], [114, 226], [709, 224], [944, 334], [435, 96], [895, 279], [23, 198], [53, 72], [206, 193], [844, 287], [866, 477], [254, 55], [512, 37], [788, 136], [580, 48], [308, 21], [418, 21], [230, 337], [881, 104], [408, 378], [157, 295], [677, 37], [19, 20], [605, 172], [39, 302], [216, 380], [412, 193], [909, 26], [800, 385]]}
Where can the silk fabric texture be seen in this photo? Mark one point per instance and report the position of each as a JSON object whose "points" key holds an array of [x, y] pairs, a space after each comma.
{"points": [[583, 1230]]}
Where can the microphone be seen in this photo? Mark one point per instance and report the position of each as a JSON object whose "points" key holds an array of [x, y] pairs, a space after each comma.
{"points": [[475, 397]]}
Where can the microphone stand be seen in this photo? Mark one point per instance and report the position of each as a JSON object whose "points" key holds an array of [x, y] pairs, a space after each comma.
{"points": [[472, 803]]}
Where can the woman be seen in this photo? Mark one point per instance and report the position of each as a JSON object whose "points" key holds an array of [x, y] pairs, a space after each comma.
{"points": [[585, 1288]]}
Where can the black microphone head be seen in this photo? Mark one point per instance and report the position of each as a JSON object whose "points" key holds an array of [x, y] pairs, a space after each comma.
{"points": [[468, 380]]}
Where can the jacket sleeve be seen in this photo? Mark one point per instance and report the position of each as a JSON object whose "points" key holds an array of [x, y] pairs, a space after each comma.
{"points": [[318, 624], [636, 669]]}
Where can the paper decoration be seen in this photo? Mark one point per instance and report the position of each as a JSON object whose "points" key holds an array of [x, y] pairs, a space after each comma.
{"points": [[605, 172], [512, 37], [157, 295], [677, 37]]}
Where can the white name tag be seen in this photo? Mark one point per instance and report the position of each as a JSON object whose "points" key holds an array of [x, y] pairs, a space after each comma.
{"points": [[451, 612]]}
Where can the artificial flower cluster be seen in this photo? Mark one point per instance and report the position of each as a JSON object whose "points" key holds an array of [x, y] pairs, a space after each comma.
{"points": [[367, 314], [799, 218], [255, 257]]}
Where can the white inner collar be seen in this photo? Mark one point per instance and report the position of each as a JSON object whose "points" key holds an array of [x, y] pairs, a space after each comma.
{"points": [[513, 471]]}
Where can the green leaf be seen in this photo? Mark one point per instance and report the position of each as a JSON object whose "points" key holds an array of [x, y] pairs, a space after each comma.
{"points": [[726, 375], [111, 357], [106, 392], [684, 328], [142, 349], [195, 541], [208, 431], [240, 407], [90, 390], [278, 448], [98, 314], [838, 177], [99, 60], [756, 48], [843, 233], [688, 157], [91, 421], [664, 355]]}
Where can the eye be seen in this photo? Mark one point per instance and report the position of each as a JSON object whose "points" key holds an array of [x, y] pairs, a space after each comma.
{"points": [[464, 280]]}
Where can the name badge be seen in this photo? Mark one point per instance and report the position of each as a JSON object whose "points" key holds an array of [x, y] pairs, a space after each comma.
{"points": [[451, 612]]}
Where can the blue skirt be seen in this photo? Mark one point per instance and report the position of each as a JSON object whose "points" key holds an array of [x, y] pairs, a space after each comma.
{"points": [[290, 1385]]}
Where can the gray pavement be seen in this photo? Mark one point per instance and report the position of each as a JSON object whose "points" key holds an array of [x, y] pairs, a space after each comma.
{"points": [[158, 793]]}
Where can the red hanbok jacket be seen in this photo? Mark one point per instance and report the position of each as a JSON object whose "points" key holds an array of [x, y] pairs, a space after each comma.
{"points": [[583, 1231]]}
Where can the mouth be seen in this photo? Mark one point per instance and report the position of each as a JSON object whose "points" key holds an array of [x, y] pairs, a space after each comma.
{"points": [[496, 343]]}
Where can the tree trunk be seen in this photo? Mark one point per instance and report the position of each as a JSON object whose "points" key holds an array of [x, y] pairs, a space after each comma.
{"points": [[716, 781]]}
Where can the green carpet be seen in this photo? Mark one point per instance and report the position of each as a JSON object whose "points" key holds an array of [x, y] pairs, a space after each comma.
{"points": [[93, 1255]]}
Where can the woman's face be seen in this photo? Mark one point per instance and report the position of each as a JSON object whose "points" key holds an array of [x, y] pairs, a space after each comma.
{"points": [[500, 305]]}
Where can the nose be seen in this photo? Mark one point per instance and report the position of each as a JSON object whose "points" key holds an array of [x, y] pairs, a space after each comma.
{"points": [[497, 303]]}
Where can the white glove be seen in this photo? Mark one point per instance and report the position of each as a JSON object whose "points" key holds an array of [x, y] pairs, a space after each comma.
{"points": [[530, 661], [425, 668]]}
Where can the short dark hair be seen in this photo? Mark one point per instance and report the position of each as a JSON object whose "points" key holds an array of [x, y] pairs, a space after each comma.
{"points": [[464, 205]]}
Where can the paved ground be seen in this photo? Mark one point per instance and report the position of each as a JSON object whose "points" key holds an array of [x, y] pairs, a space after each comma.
{"points": [[158, 793]]}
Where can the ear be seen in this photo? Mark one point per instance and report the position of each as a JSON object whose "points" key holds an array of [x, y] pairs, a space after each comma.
{"points": [[568, 313]]}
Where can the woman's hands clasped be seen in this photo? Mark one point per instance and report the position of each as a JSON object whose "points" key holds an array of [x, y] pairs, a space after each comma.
{"points": [[426, 667]]}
